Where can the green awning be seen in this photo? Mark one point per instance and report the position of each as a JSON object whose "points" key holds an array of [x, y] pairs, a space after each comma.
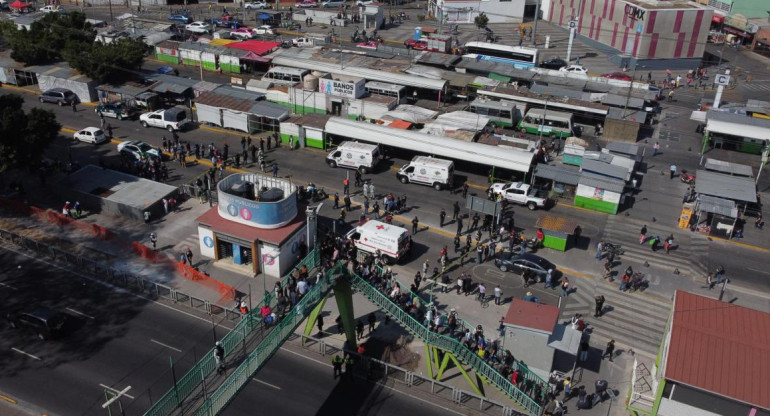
{"points": [[498, 77]]}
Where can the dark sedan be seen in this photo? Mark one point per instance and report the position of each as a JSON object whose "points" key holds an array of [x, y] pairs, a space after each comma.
{"points": [[518, 263], [554, 63], [44, 322]]}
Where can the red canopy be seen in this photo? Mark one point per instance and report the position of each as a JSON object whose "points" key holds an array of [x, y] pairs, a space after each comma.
{"points": [[18, 5], [255, 46]]}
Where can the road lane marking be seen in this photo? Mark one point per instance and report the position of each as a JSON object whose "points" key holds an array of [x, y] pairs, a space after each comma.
{"points": [[758, 271], [8, 286], [80, 313], [26, 353], [117, 391], [266, 383], [166, 345], [8, 399]]}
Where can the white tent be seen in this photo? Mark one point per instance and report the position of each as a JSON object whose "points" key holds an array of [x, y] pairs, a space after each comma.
{"points": [[410, 113], [496, 156]]}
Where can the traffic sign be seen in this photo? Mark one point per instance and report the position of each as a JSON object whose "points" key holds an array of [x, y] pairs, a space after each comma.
{"points": [[722, 79], [572, 24]]}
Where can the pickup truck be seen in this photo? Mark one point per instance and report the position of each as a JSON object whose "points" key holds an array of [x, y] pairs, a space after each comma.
{"points": [[518, 193], [173, 119], [302, 42]]}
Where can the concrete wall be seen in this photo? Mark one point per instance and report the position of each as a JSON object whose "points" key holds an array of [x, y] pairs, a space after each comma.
{"points": [[458, 12], [530, 347], [670, 33]]}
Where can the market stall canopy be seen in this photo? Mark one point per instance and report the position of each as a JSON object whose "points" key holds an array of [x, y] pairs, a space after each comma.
{"points": [[566, 339], [737, 188], [726, 123], [729, 168], [257, 47], [560, 174], [721, 206], [19, 5]]}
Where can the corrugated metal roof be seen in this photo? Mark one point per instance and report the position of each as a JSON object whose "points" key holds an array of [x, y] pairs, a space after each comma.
{"points": [[169, 87], [215, 99], [496, 67], [716, 205], [604, 169], [721, 348], [623, 101], [435, 58], [737, 188], [629, 114], [239, 93], [561, 174], [130, 88], [738, 118], [270, 110], [730, 168], [602, 182], [556, 91], [623, 148], [312, 120]]}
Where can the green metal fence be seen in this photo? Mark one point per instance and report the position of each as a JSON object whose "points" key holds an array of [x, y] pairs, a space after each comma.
{"points": [[451, 345], [217, 400], [194, 379]]}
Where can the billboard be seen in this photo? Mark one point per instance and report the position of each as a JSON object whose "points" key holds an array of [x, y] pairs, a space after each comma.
{"points": [[257, 214], [341, 88]]}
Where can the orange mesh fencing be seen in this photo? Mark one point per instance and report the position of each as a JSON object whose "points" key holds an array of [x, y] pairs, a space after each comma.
{"points": [[147, 253], [190, 273]]}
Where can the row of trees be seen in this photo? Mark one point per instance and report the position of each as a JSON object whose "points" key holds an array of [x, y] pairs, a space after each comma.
{"points": [[24, 136], [70, 37]]}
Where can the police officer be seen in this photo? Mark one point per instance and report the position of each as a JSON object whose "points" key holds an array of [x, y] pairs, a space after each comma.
{"points": [[349, 362], [337, 364]]}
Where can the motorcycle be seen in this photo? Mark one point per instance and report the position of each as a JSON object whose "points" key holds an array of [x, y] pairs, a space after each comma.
{"points": [[687, 178], [614, 249], [637, 282]]}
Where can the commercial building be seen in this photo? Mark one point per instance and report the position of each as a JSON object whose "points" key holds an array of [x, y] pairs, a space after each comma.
{"points": [[713, 361], [649, 33]]}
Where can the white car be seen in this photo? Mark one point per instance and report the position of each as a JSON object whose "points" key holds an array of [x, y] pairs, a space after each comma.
{"points": [[256, 5], [575, 69], [50, 9], [301, 42], [93, 135], [198, 27], [366, 2], [138, 149], [263, 30]]}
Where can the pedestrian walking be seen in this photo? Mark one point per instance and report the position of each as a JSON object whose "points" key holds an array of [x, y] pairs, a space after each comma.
{"points": [[415, 225], [275, 169], [498, 295], [599, 249], [366, 206], [609, 350], [584, 347], [672, 170], [482, 292], [643, 234], [371, 190], [475, 221], [189, 255], [671, 96], [73, 104], [359, 329], [358, 179], [548, 279], [336, 200], [599, 303], [479, 253], [720, 272], [455, 211], [219, 357], [372, 319], [348, 203], [465, 190], [365, 189], [655, 149], [710, 281], [442, 217], [564, 287], [320, 323]]}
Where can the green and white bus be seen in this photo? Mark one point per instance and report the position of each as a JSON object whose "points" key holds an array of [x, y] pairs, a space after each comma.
{"points": [[550, 123], [501, 113]]}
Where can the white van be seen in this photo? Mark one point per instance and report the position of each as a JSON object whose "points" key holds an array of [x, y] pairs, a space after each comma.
{"points": [[430, 171], [354, 155], [392, 241], [332, 3]]}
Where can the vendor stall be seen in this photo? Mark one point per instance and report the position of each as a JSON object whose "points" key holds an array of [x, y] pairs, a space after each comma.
{"points": [[716, 217], [561, 181], [559, 232], [599, 193], [574, 148]]}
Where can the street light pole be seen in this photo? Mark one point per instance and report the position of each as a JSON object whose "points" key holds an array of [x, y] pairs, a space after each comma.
{"points": [[534, 25]]}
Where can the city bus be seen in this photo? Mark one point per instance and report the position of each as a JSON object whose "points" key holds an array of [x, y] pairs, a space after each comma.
{"points": [[284, 75], [501, 113], [518, 56], [389, 90], [550, 123]]}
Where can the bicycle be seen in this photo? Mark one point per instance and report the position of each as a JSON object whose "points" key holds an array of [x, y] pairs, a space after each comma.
{"points": [[484, 301]]}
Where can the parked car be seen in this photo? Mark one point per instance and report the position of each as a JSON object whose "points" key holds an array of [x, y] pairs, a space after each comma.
{"points": [[366, 2], [518, 263], [256, 5], [61, 96], [198, 27], [45, 322], [306, 4], [418, 45], [618, 75], [93, 135], [50, 9], [138, 149], [575, 69], [367, 45], [115, 110], [172, 119], [518, 193], [301, 42], [555, 63], [263, 30], [226, 21], [242, 33], [181, 18], [332, 3]]}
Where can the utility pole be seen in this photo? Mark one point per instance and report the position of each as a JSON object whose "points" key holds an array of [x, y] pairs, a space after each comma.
{"points": [[534, 25], [573, 25], [111, 17]]}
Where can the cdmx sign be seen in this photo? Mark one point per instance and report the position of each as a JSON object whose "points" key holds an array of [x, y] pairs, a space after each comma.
{"points": [[634, 13]]}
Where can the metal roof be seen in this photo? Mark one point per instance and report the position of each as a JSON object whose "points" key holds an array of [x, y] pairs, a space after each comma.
{"points": [[623, 101], [435, 58], [557, 91], [561, 174], [269, 110], [737, 188], [312, 120], [716, 205], [130, 88], [497, 68], [623, 148], [531, 315], [602, 182], [730, 168], [721, 348], [630, 114], [725, 123], [604, 169], [239, 93], [215, 99], [169, 87]]}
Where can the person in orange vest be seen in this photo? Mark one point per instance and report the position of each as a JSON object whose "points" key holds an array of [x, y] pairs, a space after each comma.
{"points": [[346, 185], [243, 308]]}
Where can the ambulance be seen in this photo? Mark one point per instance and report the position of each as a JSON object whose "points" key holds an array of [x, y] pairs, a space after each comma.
{"points": [[391, 241], [430, 171], [354, 155]]}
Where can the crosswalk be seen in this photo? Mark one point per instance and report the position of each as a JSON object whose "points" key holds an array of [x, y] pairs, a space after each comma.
{"points": [[690, 257], [754, 86], [634, 320]]}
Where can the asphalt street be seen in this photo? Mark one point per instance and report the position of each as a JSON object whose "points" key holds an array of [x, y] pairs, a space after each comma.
{"points": [[114, 340]]}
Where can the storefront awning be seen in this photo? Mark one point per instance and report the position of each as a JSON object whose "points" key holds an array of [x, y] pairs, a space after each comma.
{"points": [[718, 19], [737, 188], [714, 205]]}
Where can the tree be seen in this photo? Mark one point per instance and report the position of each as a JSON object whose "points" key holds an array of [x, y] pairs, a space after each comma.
{"points": [[481, 21], [24, 136], [106, 62], [44, 42]]}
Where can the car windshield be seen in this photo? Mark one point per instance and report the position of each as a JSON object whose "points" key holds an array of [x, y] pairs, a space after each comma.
{"points": [[545, 264], [98, 132], [144, 147]]}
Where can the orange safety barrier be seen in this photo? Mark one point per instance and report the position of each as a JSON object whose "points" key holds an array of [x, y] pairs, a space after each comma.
{"points": [[147, 253], [188, 272]]}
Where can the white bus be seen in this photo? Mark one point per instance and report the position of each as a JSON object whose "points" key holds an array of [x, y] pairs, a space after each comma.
{"points": [[389, 90], [550, 123], [501, 113], [518, 56], [284, 75]]}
